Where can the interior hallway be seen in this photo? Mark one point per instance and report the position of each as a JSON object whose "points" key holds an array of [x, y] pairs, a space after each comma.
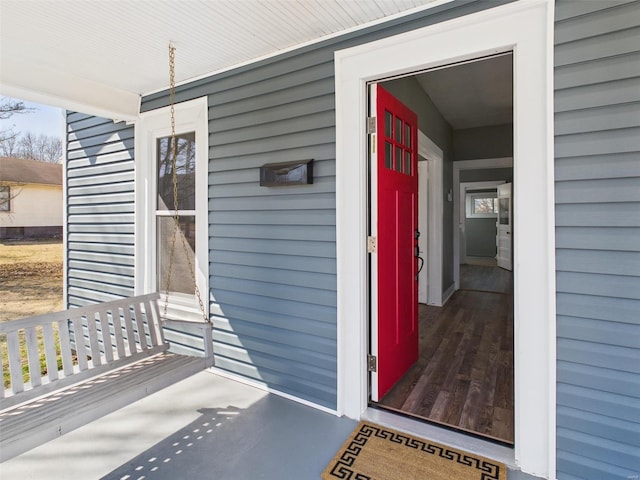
{"points": [[464, 376]]}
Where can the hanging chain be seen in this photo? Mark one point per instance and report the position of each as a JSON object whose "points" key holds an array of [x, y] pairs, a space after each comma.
{"points": [[173, 145]]}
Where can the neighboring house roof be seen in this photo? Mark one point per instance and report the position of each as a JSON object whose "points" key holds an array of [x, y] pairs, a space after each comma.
{"points": [[30, 171]]}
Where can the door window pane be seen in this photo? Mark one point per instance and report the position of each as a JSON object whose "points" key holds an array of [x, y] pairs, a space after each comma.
{"points": [[388, 124], [181, 279], [398, 130], [504, 211], [407, 163], [398, 159], [388, 155], [185, 172], [407, 135]]}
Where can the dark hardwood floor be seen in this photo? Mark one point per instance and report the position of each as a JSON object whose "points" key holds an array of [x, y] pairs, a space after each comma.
{"points": [[464, 376], [486, 279]]}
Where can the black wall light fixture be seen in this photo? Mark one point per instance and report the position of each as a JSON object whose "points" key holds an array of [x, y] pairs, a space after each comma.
{"points": [[299, 172]]}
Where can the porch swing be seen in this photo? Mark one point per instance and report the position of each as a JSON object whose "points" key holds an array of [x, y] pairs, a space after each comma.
{"points": [[98, 340]]}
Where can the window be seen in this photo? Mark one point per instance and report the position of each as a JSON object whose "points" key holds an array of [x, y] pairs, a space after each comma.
{"points": [[183, 259], [155, 224], [482, 204], [5, 198]]}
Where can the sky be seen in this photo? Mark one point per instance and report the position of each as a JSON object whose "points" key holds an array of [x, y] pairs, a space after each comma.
{"points": [[43, 119]]}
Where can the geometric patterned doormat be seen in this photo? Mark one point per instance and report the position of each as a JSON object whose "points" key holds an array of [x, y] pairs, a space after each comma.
{"points": [[374, 452]]}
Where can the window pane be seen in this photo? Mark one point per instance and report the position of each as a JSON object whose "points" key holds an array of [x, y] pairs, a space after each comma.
{"points": [[407, 163], [504, 211], [483, 205], [398, 130], [388, 155], [407, 135], [181, 280], [388, 123], [5, 198], [398, 159], [185, 172]]}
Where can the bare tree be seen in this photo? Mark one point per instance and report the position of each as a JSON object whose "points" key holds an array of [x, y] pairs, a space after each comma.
{"points": [[9, 146], [43, 148], [9, 107], [53, 151]]}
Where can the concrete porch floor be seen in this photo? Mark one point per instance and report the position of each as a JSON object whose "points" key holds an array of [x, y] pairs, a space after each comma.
{"points": [[206, 426]]}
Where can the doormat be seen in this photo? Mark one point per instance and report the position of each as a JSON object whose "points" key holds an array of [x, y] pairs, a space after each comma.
{"points": [[374, 452]]}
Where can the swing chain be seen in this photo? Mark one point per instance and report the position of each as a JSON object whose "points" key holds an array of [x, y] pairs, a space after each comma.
{"points": [[173, 145]]}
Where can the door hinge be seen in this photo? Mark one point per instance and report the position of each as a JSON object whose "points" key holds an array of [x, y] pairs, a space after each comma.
{"points": [[371, 125], [371, 244], [372, 363]]}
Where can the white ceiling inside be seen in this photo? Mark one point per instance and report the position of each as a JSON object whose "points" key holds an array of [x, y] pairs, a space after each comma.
{"points": [[474, 94], [104, 54]]}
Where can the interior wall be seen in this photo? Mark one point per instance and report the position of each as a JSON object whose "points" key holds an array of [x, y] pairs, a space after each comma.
{"points": [[494, 141], [487, 174], [481, 237], [434, 125]]}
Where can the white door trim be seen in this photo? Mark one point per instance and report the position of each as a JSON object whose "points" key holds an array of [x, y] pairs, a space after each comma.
{"points": [[480, 164], [423, 228], [526, 28], [459, 205], [433, 245], [190, 116]]}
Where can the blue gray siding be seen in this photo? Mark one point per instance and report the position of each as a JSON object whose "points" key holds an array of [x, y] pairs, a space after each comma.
{"points": [[272, 251], [597, 143], [100, 210]]}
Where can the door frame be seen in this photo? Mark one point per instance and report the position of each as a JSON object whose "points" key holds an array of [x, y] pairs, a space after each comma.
{"points": [[432, 241], [459, 206], [480, 164], [526, 29]]}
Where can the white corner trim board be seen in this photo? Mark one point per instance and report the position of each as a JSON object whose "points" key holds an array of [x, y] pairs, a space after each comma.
{"points": [[526, 29]]}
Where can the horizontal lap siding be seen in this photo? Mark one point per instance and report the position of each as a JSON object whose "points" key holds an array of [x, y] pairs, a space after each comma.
{"points": [[100, 209], [597, 172], [272, 251]]}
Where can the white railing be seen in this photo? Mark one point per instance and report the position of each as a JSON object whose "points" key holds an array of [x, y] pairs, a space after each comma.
{"points": [[76, 344]]}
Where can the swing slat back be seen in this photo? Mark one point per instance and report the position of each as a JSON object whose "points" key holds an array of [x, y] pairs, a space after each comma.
{"points": [[55, 350]]}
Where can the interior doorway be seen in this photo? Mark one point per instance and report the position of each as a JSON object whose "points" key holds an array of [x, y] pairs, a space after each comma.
{"points": [[463, 376]]}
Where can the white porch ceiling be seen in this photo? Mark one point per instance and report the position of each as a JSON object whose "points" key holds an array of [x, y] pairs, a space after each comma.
{"points": [[100, 56]]}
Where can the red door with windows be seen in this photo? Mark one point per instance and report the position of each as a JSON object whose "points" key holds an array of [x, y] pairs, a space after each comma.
{"points": [[397, 239]]}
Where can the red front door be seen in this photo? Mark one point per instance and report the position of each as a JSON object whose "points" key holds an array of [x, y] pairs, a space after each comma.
{"points": [[397, 242]]}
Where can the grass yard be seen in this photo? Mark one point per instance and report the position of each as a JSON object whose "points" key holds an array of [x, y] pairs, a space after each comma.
{"points": [[30, 284], [30, 279]]}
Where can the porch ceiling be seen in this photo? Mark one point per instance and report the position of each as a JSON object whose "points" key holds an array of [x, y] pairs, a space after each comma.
{"points": [[99, 57]]}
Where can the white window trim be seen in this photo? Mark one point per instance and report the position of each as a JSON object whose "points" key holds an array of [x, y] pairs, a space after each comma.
{"points": [[190, 116], [459, 223], [526, 28]]}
